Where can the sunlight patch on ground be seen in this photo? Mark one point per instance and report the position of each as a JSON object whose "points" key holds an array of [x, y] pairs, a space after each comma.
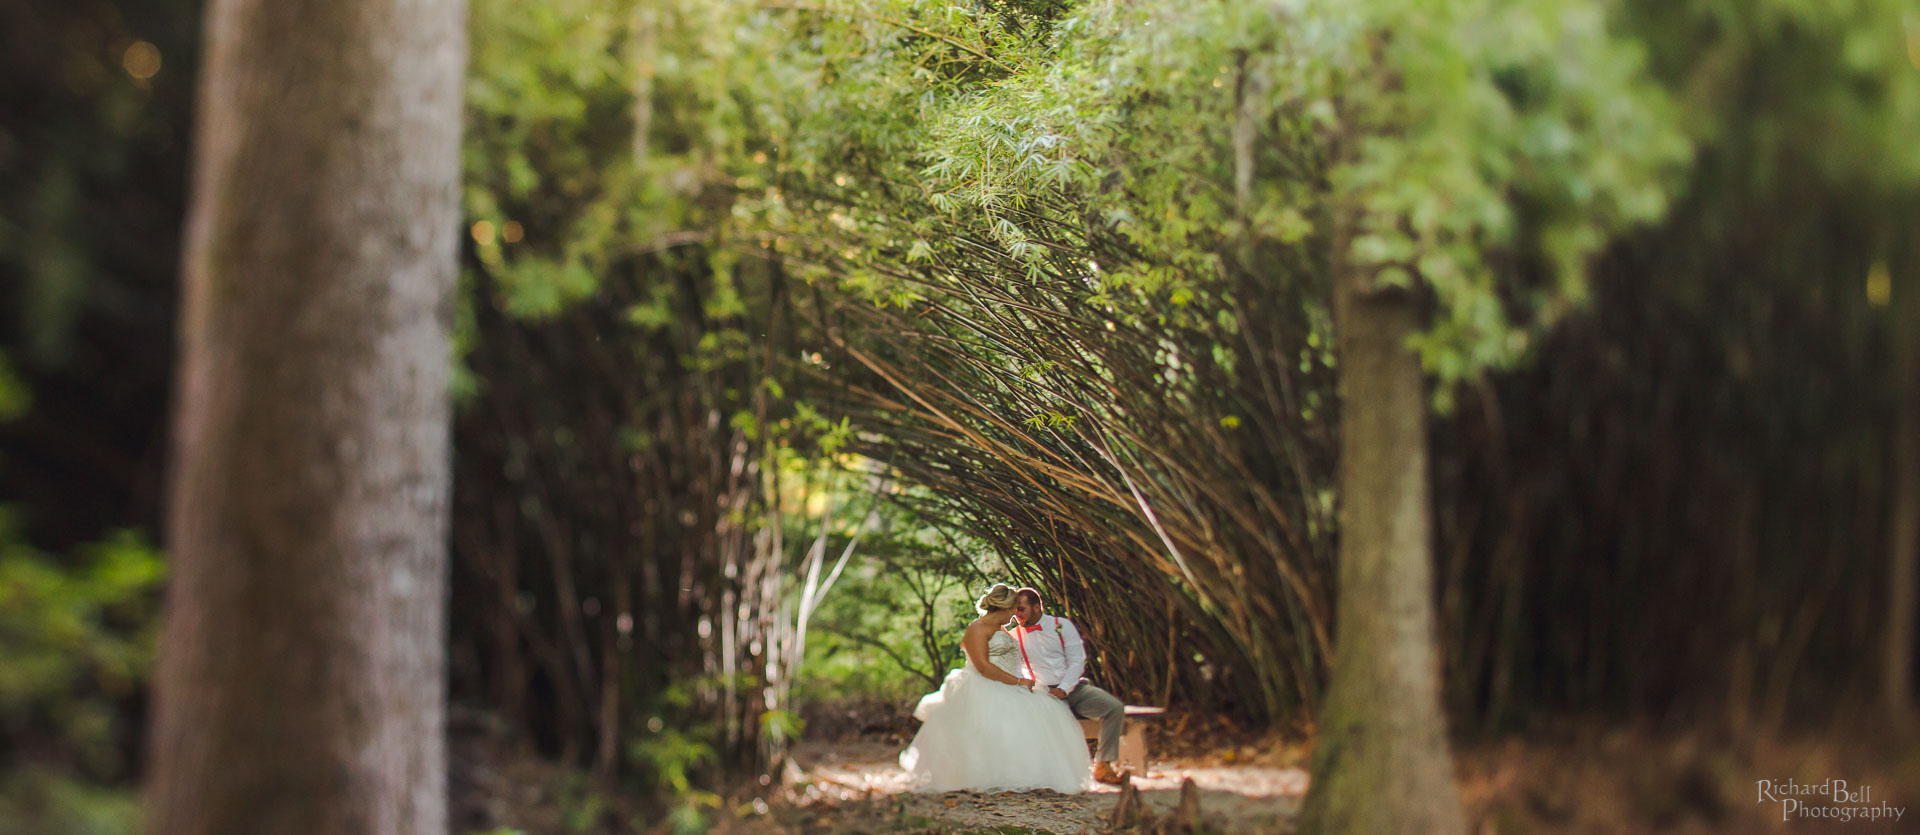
{"points": [[858, 780]]}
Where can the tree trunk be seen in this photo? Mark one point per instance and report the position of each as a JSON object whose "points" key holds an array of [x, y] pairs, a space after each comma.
{"points": [[1904, 538], [1381, 763], [300, 686]]}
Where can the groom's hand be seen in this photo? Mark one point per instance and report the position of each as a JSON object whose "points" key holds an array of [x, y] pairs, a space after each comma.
{"points": [[1057, 693]]}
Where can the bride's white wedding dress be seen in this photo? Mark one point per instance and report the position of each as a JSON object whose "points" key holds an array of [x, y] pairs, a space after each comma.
{"points": [[981, 735]]}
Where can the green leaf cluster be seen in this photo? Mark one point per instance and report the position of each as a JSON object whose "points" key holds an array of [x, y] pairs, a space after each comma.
{"points": [[15, 396], [78, 638]]}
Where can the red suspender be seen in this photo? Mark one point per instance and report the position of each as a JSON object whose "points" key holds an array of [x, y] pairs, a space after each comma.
{"points": [[1020, 633]]}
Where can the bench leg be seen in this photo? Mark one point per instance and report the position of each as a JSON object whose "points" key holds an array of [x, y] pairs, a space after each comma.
{"points": [[1133, 745], [1133, 750]]}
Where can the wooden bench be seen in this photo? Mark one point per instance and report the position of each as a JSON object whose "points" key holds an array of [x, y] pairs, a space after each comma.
{"points": [[1133, 737]]}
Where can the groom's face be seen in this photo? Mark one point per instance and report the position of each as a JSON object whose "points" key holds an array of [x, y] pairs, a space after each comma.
{"points": [[1026, 611]]}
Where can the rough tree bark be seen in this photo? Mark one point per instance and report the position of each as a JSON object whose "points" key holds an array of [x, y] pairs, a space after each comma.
{"points": [[1381, 763], [300, 686]]}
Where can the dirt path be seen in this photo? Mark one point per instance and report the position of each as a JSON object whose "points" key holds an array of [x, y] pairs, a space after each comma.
{"points": [[859, 787]]}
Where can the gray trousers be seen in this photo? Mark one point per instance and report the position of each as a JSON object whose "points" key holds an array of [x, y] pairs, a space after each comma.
{"points": [[1090, 702]]}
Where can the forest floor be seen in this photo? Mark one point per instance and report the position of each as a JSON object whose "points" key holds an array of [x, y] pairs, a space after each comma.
{"points": [[1566, 778], [859, 787]]}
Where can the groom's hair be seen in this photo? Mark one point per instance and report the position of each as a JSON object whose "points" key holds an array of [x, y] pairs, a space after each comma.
{"points": [[1031, 595]]}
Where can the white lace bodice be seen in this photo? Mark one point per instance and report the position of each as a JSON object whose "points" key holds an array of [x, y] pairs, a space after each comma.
{"points": [[1004, 652]]}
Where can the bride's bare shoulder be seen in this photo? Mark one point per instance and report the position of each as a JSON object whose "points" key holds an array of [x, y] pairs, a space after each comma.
{"points": [[981, 627], [972, 635]]}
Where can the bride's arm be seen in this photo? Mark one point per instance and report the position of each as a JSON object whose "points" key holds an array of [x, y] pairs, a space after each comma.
{"points": [[975, 645]]}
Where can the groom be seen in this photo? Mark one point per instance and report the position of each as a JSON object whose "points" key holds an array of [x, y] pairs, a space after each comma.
{"points": [[1054, 658]]}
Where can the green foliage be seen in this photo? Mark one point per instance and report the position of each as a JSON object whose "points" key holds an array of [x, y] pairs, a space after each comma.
{"points": [[1480, 134], [1067, 254], [15, 397], [1490, 147], [690, 815], [671, 751], [673, 755], [621, 340], [78, 639], [1087, 248], [46, 804], [583, 814], [782, 725], [890, 627], [79, 636], [1832, 84], [1740, 350], [540, 151], [1127, 165], [1050, 420], [1493, 132]]}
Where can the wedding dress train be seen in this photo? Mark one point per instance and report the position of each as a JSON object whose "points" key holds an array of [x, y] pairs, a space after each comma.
{"points": [[981, 735]]}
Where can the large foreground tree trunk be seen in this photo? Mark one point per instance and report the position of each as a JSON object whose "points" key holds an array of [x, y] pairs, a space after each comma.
{"points": [[1381, 763], [300, 686]]}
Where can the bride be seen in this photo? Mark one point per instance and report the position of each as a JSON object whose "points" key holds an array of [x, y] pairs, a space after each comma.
{"points": [[985, 729]]}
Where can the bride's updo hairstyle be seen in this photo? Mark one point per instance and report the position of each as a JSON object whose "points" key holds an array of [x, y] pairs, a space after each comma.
{"points": [[1001, 596]]}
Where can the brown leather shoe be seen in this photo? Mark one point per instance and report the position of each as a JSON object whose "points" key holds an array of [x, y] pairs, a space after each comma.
{"points": [[1105, 774]]}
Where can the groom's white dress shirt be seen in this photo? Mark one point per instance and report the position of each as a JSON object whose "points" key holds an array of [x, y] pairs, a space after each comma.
{"points": [[1054, 655]]}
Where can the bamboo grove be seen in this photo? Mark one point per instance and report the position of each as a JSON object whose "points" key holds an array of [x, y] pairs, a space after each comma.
{"points": [[758, 295], [1062, 273]]}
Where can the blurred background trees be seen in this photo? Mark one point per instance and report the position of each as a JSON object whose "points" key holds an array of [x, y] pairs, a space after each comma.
{"points": [[1041, 291], [1721, 420]]}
